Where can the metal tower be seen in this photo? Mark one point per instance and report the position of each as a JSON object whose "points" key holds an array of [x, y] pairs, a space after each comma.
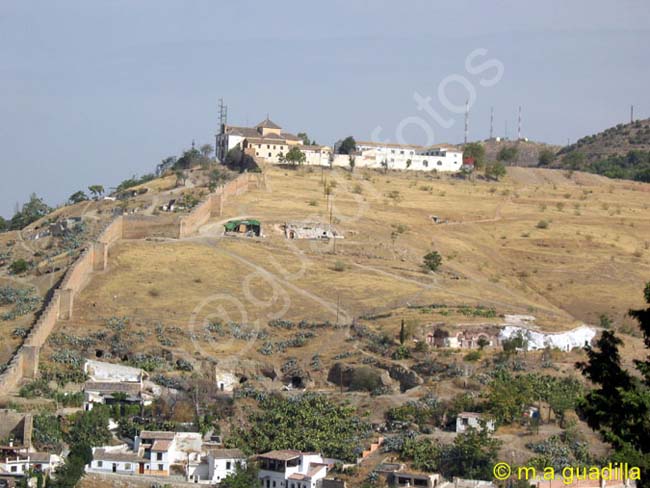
{"points": [[491, 122], [466, 120]]}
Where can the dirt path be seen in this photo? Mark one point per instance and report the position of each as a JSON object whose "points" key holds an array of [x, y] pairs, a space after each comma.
{"points": [[333, 308]]}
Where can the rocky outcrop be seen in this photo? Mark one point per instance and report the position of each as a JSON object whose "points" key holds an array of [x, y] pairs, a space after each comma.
{"points": [[359, 378], [406, 377]]}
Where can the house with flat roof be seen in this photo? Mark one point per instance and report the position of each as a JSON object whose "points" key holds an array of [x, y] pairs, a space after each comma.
{"points": [[465, 420], [180, 455], [385, 155]]}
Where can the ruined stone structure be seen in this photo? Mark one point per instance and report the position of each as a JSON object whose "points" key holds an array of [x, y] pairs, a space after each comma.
{"points": [[24, 364]]}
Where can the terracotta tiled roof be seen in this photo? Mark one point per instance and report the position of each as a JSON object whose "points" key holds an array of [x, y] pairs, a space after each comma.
{"points": [[227, 454], [283, 455], [160, 445], [153, 434], [268, 124], [119, 456]]}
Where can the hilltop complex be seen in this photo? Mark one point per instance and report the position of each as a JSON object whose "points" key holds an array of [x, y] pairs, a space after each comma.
{"points": [[268, 143]]}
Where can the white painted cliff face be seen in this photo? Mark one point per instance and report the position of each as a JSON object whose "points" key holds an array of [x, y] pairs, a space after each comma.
{"points": [[565, 341]]}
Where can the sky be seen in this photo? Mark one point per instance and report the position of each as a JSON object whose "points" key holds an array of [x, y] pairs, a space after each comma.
{"points": [[93, 92]]}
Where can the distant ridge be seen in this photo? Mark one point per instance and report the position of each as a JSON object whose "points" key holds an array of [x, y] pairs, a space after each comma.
{"points": [[622, 151]]}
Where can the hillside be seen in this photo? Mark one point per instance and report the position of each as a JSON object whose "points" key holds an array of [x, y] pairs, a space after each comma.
{"points": [[527, 151], [622, 151], [591, 258]]}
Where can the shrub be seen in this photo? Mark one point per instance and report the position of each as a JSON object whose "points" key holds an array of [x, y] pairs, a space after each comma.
{"points": [[432, 260], [472, 356], [401, 352], [339, 266], [542, 224], [19, 266]]}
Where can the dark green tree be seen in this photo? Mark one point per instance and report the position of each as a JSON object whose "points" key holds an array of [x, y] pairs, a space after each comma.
{"points": [[546, 157], [19, 266], [74, 468], [305, 138], [347, 146], [295, 156], [432, 261], [4, 225], [475, 150], [89, 428], [241, 478], [495, 170], [472, 455], [30, 212], [96, 190], [574, 160], [619, 406], [507, 154], [206, 150], [77, 197]]}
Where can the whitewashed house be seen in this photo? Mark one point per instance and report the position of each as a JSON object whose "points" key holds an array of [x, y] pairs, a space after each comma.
{"points": [[223, 462], [155, 454], [291, 469], [382, 155], [116, 459], [110, 383], [465, 420], [18, 461]]}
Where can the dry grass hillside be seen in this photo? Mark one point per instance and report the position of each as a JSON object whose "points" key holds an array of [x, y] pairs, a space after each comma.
{"points": [[565, 248]]}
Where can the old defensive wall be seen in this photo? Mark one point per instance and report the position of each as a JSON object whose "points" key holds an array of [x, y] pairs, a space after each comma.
{"points": [[94, 258]]}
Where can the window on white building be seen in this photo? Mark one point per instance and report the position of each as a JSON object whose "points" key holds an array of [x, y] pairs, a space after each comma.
{"points": [[127, 466], [439, 163], [161, 467], [425, 164], [159, 456], [228, 464], [100, 464]]}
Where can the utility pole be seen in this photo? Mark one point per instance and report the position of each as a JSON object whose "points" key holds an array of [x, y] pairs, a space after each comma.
{"points": [[519, 124], [331, 209], [338, 305], [631, 114]]}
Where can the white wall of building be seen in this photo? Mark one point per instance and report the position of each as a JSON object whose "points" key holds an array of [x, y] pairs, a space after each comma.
{"points": [[119, 467], [219, 469]]}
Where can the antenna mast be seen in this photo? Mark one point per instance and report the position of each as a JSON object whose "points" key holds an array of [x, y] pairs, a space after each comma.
{"points": [[466, 120], [519, 124], [491, 122]]}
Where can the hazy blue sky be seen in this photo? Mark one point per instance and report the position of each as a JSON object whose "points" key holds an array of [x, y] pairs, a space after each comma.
{"points": [[96, 91]]}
